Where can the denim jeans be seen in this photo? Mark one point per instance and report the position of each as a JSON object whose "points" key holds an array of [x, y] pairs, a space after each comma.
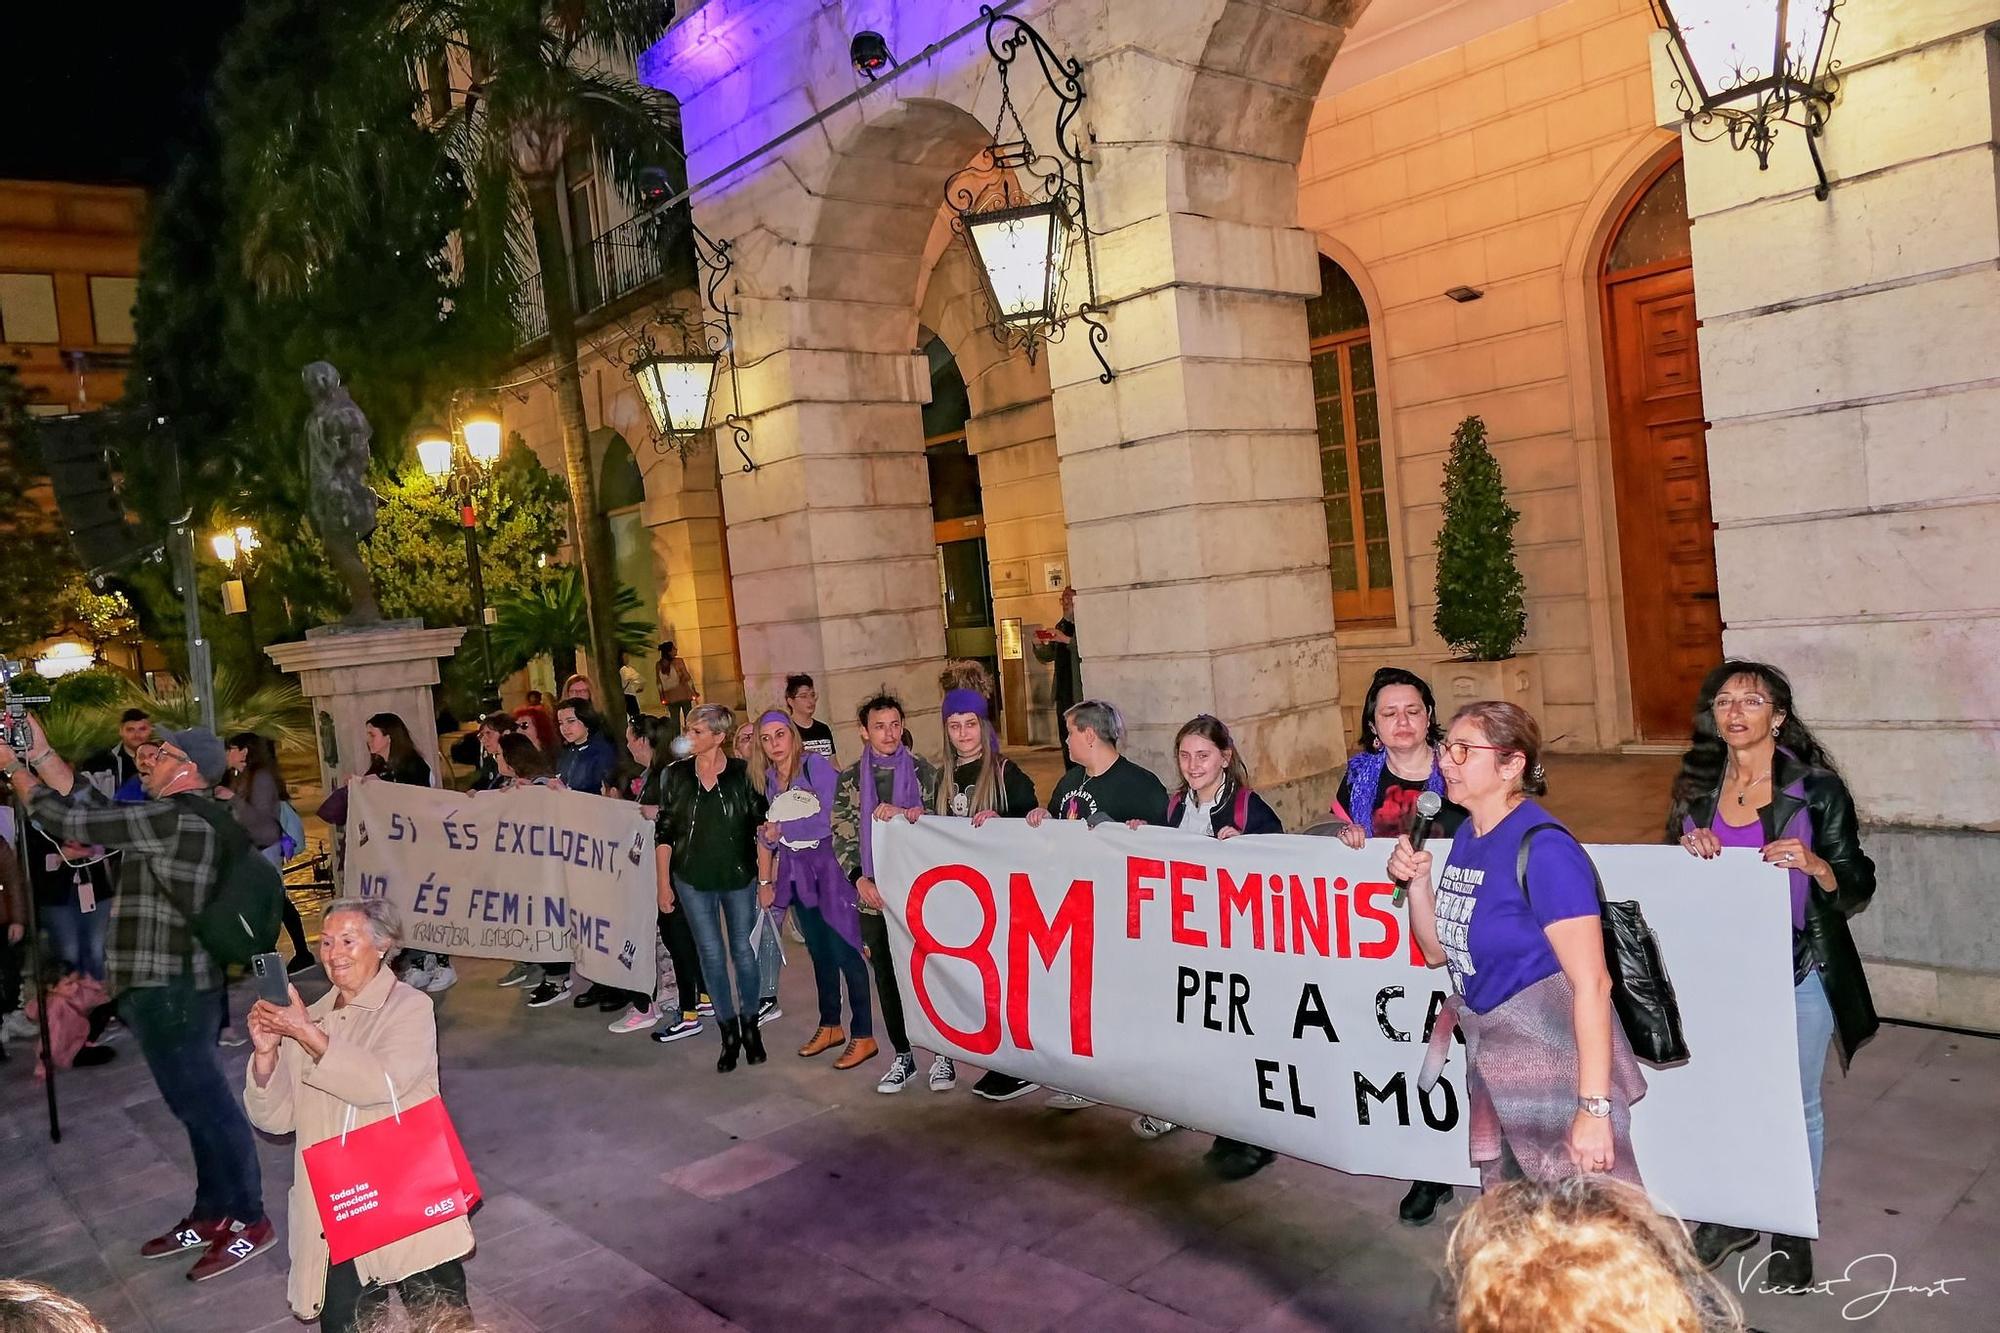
{"points": [[76, 937], [176, 1031], [722, 923], [1815, 1018], [834, 958]]}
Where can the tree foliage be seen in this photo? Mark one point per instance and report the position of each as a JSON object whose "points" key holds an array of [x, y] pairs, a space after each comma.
{"points": [[237, 295], [1480, 611], [35, 556], [552, 621]]}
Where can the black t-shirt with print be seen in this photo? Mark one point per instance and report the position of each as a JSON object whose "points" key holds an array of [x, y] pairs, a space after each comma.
{"points": [[1123, 791], [1017, 789], [1396, 806], [818, 739]]}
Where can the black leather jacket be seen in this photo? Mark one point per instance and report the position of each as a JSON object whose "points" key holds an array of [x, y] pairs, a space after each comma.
{"points": [[1826, 940], [743, 810]]}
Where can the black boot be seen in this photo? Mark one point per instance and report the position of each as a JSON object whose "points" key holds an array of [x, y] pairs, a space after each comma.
{"points": [[732, 1041], [1233, 1159], [1791, 1263], [1714, 1242], [1420, 1205], [753, 1039]]}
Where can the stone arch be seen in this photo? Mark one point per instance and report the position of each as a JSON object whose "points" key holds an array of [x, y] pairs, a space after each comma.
{"points": [[1590, 409], [620, 485], [1258, 73]]}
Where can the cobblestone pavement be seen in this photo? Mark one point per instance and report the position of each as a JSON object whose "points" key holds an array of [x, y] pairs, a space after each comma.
{"points": [[628, 1186]]}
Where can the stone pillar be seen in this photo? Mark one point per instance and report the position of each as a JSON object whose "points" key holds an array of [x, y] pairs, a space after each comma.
{"points": [[831, 550], [352, 674], [683, 515], [1848, 362], [1197, 530]]}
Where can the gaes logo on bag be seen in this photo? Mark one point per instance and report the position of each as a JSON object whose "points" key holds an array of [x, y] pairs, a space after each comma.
{"points": [[441, 1208]]}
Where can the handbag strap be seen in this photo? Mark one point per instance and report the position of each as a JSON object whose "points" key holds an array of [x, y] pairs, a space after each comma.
{"points": [[1521, 866], [395, 1109]]}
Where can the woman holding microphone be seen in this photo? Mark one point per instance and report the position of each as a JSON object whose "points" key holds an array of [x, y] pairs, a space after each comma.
{"points": [[1552, 1078]]}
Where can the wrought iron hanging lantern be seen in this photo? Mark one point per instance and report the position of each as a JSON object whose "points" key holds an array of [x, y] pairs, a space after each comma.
{"points": [[1753, 65], [1023, 213], [679, 371]]}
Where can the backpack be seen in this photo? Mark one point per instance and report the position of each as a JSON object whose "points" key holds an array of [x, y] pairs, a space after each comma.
{"points": [[1240, 808], [1642, 994], [242, 919], [291, 830]]}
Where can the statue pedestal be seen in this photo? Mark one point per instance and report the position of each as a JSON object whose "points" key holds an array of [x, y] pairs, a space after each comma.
{"points": [[352, 674]]}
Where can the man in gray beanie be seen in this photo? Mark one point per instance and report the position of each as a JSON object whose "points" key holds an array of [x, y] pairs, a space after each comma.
{"points": [[168, 990]]}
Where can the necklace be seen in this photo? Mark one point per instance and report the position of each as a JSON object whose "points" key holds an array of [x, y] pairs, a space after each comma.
{"points": [[1743, 796]]}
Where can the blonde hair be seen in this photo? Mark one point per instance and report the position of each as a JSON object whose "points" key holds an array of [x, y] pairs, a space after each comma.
{"points": [[28, 1305], [1586, 1254]]}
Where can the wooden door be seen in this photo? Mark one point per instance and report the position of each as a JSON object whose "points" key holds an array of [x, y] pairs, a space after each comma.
{"points": [[1666, 536]]}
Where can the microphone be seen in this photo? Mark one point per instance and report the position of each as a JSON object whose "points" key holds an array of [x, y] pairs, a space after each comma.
{"points": [[1428, 806]]}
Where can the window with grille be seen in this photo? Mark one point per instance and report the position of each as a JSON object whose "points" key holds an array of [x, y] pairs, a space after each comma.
{"points": [[1350, 452]]}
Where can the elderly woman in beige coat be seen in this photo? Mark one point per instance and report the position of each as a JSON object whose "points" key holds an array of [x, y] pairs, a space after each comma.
{"points": [[313, 1065]]}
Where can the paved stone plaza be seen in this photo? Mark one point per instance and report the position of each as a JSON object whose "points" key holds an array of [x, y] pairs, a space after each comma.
{"points": [[628, 1186]]}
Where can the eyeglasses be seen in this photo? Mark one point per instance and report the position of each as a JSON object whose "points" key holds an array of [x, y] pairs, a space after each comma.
{"points": [[1459, 751], [1749, 703]]}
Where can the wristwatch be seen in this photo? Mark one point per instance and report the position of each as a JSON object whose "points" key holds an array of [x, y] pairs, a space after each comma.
{"points": [[1600, 1107]]}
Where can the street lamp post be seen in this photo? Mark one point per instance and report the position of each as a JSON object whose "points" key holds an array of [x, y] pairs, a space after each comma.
{"points": [[460, 472]]}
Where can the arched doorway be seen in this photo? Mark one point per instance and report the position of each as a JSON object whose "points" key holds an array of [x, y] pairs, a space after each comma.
{"points": [[1659, 456], [621, 495]]}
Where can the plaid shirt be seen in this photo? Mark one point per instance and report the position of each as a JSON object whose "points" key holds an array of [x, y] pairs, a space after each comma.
{"points": [[170, 849]]}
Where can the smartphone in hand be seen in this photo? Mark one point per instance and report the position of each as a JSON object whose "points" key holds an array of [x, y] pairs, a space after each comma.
{"points": [[272, 982]]}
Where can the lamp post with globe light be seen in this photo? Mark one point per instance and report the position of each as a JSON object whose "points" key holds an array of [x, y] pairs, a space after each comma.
{"points": [[460, 471]]}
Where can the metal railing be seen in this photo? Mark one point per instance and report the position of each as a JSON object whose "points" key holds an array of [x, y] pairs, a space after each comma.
{"points": [[638, 251]]}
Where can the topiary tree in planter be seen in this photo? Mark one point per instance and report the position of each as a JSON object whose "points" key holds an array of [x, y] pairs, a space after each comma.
{"points": [[1480, 614]]}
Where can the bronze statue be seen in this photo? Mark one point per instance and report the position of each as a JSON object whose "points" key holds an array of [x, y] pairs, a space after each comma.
{"points": [[337, 436]]}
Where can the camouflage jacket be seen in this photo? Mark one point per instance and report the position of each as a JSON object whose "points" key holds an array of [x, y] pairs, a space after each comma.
{"points": [[849, 811]]}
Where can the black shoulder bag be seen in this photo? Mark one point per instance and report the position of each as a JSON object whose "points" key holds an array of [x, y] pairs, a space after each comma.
{"points": [[1641, 991]]}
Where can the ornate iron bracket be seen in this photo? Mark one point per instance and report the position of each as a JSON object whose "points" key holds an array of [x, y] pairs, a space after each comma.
{"points": [[1011, 172], [1780, 98]]}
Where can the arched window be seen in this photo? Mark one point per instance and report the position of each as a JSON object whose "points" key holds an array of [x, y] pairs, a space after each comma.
{"points": [[1350, 452], [1655, 229]]}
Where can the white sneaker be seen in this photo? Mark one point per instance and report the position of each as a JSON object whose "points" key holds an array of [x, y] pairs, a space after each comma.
{"points": [[1152, 1127], [636, 1019], [517, 975], [19, 1026], [1068, 1101], [443, 979], [944, 1074], [418, 977], [901, 1070]]}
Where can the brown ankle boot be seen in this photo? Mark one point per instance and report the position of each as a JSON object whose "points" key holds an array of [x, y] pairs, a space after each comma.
{"points": [[859, 1052], [823, 1039]]}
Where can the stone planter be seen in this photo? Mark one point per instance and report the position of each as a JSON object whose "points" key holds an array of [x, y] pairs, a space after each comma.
{"points": [[1516, 680]]}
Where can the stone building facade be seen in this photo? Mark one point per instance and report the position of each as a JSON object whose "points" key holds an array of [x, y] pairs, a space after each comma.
{"points": [[1286, 191]]}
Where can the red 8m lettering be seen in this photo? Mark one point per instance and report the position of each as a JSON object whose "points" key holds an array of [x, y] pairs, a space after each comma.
{"points": [[979, 953], [1030, 935]]}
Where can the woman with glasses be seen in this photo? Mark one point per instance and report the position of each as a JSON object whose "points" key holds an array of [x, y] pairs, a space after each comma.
{"points": [[1397, 762], [1513, 914], [1755, 777]]}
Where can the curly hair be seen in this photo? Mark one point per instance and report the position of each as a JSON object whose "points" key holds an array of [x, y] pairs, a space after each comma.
{"points": [[1586, 1254], [1707, 753]]}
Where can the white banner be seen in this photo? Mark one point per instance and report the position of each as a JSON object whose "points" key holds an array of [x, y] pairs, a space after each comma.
{"points": [[1266, 989], [537, 875]]}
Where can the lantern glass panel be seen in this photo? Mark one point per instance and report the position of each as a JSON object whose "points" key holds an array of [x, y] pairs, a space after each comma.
{"points": [[677, 391], [1022, 253], [482, 439], [434, 452]]}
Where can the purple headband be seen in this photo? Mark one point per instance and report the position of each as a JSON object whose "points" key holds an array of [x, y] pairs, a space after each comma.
{"points": [[774, 715], [964, 701]]}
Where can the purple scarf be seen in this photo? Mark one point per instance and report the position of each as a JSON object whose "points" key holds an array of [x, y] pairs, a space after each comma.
{"points": [[1364, 785], [904, 792]]}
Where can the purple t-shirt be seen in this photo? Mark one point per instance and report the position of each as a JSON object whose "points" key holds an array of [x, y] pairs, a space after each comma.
{"points": [[1493, 943], [1752, 835]]}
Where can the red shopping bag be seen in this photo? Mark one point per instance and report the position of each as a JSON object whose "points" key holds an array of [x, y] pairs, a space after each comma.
{"points": [[387, 1181]]}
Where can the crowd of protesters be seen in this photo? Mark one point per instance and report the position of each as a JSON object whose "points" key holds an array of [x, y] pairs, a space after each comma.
{"points": [[757, 820]]}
